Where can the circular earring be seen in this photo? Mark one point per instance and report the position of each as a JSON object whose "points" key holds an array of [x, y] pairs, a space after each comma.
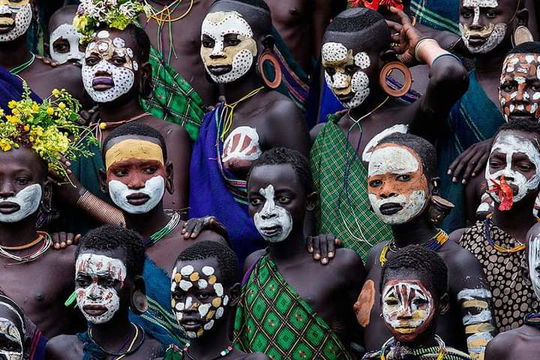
{"points": [[407, 78], [439, 208], [521, 35], [267, 55], [139, 302]]}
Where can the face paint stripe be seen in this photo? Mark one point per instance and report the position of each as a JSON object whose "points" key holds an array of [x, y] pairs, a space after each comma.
{"points": [[133, 149]]}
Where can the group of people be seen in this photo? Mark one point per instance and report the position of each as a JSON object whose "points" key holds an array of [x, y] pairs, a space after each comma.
{"points": [[270, 179]]}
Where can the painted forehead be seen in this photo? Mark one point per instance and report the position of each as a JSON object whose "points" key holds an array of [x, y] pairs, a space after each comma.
{"points": [[107, 41], [526, 64], [98, 264], [481, 3], [220, 23], [130, 149], [119, 139], [334, 52], [515, 142], [187, 275], [394, 159]]}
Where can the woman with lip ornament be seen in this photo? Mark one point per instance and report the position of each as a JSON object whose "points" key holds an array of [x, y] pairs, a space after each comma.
{"points": [[413, 294]]}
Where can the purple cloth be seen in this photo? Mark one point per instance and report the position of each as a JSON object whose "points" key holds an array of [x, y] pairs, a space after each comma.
{"points": [[210, 194], [11, 88]]}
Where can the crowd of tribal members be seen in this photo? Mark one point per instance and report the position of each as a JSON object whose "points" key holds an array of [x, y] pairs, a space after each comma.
{"points": [[270, 179]]}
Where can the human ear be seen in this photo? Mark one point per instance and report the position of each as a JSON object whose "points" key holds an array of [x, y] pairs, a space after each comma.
{"points": [[268, 42], [46, 198], [235, 293], [169, 179], [444, 304], [311, 201], [103, 181], [522, 17], [145, 86], [138, 300], [434, 185]]}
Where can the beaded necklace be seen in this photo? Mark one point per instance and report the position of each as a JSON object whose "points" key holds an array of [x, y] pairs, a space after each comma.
{"points": [[164, 231], [533, 319], [131, 348], [222, 353], [487, 233], [47, 242], [434, 244], [20, 68], [440, 356]]}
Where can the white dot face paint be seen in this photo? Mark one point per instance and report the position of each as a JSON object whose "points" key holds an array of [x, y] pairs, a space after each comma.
{"points": [[408, 308], [491, 34], [242, 144], [25, 203], [15, 19], [508, 152], [131, 200], [228, 48], [11, 347], [64, 43], [273, 222], [98, 279], [534, 264], [397, 184], [350, 89], [103, 80], [198, 300]]}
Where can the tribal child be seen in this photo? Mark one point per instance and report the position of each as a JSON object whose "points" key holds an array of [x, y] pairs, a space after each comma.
{"points": [[522, 343], [137, 176], [355, 48], [115, 74], [108, 278], [403, 192], [15, 19], [287, 298], [499, 241], [205, 291], [253, 118], [413, 294], [64, 40]]}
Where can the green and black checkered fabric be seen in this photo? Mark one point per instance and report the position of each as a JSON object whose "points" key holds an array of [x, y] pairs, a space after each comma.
{"points": [[272, 318], [341, 181]]}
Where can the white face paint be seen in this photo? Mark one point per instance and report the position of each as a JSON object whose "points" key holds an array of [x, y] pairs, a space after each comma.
{"points": [[396, 185], [273, 222], [224, 62], [12, 345], [104, 81], [65, 33], [154, 188], [372, 144], [242, 144], [534, 264], [28, 200], [20, 18], [353, 90], [493, 33], [97, 278], [509, 145], [187, 285]]}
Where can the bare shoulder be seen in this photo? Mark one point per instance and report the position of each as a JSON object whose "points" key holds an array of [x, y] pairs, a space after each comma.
{"points": [[348, 264], [62, 347], [501, 346], [457, 257], [313, 133], [256, 356], [456, 235], [281, 109], [64, 258], [253, 258], [211, 235]]}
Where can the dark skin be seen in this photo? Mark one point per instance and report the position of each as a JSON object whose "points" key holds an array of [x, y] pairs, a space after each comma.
{"points": [[6, 343], [135, 173], [212, 342], [64, 16], [52, 273], [187, 43], [488, 71], [330, 289], [127, 106], [114, 335], [277, 120], [446, 76], [516, 344]]}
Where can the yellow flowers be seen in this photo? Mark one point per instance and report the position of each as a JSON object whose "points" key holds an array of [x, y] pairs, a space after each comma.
{"points": [[62, 106], [13, 119], [50, 111], [12, 104], [56, 92]]}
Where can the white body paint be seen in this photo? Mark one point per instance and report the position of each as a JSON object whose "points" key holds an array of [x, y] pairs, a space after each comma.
{"points": [[534, 264], [247, 148], [477, 315], [12, 333], [68, 32], [359, 82], [497, 34], [95, 294], [396, 160], [271, 216], [154, 188], [368, 150], [510, 144], [23, 18], [28, 200], [231, 23]]}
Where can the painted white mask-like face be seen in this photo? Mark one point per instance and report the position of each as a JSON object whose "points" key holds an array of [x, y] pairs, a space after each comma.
{"points": [[491, 34], [273, 222], [15, 18], [351, 88], [504, 155], [98, 279], [27, 200], [397, 186], [187, 286], [228, 49], [64, 43], [534, 264], [131, 200], [103, 80]]}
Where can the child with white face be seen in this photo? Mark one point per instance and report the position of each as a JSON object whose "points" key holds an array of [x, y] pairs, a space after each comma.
{"points": [[64, 40]]}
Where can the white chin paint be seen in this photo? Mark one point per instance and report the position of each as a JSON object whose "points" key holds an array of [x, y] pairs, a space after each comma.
{"points": [[273, 222], [23, 18], [412, 207], [509, 145], [495, 38], [123, 80], [154, 188], [28, 200], [534, 264], [68, 32]]}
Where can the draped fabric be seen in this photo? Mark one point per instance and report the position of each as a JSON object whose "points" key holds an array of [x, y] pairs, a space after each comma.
{"points": [[437, 14]]}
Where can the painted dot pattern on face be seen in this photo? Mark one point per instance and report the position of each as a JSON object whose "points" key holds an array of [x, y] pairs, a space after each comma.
{"points": [[362, 60], [332, 51], [23, 18]]}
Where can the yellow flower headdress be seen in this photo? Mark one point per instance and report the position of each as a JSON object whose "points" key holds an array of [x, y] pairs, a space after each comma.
{"points": [[51, 128]]}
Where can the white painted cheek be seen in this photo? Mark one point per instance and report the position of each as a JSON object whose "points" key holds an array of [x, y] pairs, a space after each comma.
{"points": [[219, 289], [203, 310], [536, 96], [341, 81], [154, 188], [23, 18], [534, 263], [360, 87], [28, 200]]}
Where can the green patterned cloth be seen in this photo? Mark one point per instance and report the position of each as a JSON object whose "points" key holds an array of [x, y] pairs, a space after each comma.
{"points": [[272, 318], [173, 99], [344, 208], [438, 14]]}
